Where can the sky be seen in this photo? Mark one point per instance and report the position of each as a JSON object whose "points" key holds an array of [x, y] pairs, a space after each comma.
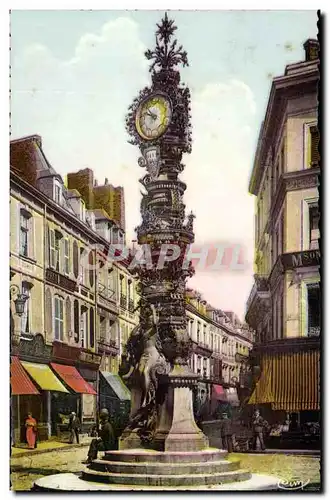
{"points": [[74, 74]]}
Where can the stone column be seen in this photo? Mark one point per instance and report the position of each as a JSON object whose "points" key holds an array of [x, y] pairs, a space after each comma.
{"points": [[177, 429]]}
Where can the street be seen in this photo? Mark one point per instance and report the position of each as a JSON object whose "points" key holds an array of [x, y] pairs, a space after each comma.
{"points": [[25, 470]]}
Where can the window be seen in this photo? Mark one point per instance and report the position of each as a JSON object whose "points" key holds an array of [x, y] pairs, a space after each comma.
{"points": [[75, 253], [198, 331], [24, 233], [83, 326], [76, 321], [91, 328], [59, 319], [58, 193], [82, 211], [91, 268], [314, 309], [66, 245], [26, 317], [314, 146], [314, 232], [54, 249], [81, 267], [68, 326]]}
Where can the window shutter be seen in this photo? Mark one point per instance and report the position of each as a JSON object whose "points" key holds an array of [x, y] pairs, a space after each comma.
{"points": [[315, 139], [76, 321], [52, 253], [68, 319], [91, 328], [31, 237], [49, 314], [91, 268], [75, 252]]}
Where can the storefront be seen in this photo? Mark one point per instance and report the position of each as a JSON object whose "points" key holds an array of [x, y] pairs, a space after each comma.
{"points": [[77, 368], [116, 398], [88, 366], [31, 357]]}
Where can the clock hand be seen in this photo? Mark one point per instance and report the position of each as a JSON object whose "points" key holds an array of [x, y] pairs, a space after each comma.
{"points": [[153, 116]]}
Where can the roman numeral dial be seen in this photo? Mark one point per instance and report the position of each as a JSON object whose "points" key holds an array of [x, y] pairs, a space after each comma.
{"points": [[153, 116]]}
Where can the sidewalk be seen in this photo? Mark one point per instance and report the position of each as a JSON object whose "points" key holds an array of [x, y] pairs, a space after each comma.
{"points": [[271, 451], [47, 446]]}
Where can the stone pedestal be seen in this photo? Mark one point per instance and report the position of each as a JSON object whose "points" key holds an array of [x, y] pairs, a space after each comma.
{"points": [[176, 428]]}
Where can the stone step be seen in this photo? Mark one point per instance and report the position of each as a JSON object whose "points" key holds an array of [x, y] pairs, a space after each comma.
{"points": [[138, 455], [155, 468], [165, 480]]}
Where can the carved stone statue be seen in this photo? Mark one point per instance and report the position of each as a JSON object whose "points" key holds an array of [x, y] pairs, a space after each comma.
{"points": [[140, 364]]}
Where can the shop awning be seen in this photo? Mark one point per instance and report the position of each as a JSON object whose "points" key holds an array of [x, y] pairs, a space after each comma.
{"points": [[117, 385], [71, 376], [289, 382], [45, 378], [232, 396], [218, 393], [19, 380]]}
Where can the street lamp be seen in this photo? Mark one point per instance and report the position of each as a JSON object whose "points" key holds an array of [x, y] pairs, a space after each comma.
{"points": [[20, 299]]}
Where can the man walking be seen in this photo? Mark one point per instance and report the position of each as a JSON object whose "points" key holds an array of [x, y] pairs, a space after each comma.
{"points": [[259, 424], [226, 433], [74, 427]]}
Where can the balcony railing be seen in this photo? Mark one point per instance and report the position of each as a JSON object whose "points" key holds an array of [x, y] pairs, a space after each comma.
{"points": [[260, 285], [105, 342]]}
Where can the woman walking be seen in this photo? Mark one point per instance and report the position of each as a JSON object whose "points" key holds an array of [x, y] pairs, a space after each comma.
{"points": [[31, 431]]}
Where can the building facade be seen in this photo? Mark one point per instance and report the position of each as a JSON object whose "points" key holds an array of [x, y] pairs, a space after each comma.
{"points": [[221, 348], [284, 303], [72, 322]]}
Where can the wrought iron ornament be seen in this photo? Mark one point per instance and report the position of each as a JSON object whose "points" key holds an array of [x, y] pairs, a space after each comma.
{"points": [[158, 122]]}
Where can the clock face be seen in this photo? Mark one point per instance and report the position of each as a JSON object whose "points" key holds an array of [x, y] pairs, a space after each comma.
{"points": [[153, 116]]}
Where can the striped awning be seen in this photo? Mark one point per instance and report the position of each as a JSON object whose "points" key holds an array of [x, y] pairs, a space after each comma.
{"points": [[289, 382], [45, 378], [20, 382], [71, 376]]}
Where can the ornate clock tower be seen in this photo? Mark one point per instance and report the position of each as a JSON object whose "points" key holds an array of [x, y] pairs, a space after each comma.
{"points": [[159, 124]]}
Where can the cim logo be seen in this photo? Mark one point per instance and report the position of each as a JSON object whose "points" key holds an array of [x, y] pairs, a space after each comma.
{"points": [[292, 484]]}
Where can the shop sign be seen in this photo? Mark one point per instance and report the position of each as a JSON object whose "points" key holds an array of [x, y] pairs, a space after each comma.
{"points": [[90, 357], [301, 259]]}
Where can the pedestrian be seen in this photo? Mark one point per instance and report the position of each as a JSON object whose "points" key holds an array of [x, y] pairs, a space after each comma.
{"points": [[259, 424], [106, 439], [226, 433], [74, 427], [31, 431]]}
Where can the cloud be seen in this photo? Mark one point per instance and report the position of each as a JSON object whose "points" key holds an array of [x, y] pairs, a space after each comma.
{"points": [[78, 106]]}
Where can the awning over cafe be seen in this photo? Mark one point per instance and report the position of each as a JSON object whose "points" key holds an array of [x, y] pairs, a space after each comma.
{"points": [[218, 393], [71, 376], [21, 383], [232, 396], [117, 385], [289, 382], [44, 377]]}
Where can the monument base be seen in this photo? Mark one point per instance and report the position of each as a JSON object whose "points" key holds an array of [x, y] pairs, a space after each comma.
{"points": [[151, 470]]}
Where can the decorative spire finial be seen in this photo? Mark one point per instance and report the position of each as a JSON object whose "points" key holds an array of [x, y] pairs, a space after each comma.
{"points": [[166, 55]]}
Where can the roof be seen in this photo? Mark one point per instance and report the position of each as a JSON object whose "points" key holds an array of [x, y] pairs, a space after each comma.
{"points": [[295, 75]]}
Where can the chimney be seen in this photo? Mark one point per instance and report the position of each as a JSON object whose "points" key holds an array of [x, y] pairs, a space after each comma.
{"points": [[106, 182], [312, 48]]}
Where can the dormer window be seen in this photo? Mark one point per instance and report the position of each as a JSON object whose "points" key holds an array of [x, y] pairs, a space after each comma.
{"points": [[82, 211], [58, 193]]}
